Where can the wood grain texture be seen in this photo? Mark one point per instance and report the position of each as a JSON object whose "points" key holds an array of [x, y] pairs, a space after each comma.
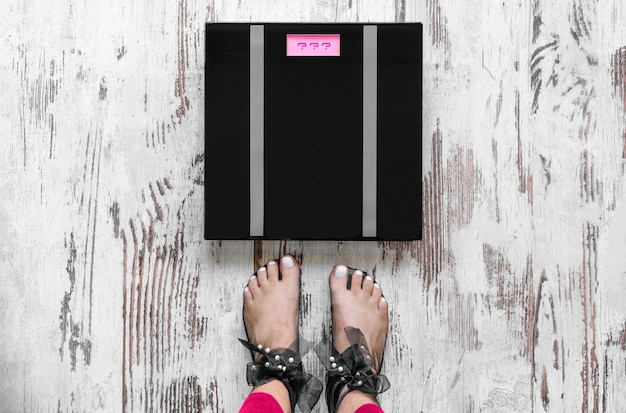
{"points": [[110, 299]]}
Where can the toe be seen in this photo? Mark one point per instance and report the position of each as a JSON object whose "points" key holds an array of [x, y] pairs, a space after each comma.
{"points": [[261, 276], [272, 272], [368, 285], [247, 296], [253, 285], [338, 278], [383, 305], [376, 292], [357, 280], [289, 268]]}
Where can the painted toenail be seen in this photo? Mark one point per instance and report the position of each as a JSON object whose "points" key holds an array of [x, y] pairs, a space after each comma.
{"points": [[368, 278], [246, 289], [382, 299], [271, 263], [341, 271], [376, 285], [261, 269], [287, 262], [253, 278], [358, 272]]}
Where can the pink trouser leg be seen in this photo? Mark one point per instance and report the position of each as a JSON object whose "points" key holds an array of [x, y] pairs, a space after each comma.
{"points": [[260, 402], [369, 408], [263, 402]]}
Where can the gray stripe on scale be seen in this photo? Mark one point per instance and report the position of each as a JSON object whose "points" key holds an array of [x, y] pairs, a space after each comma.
{"points": [[257, 79], [370, 99]]}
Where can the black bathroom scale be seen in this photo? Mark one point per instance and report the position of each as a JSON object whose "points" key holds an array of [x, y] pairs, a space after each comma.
{"points": [[313, 131]]}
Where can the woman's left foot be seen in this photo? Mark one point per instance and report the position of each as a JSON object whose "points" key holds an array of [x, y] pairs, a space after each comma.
{"points": [[271, 302]]}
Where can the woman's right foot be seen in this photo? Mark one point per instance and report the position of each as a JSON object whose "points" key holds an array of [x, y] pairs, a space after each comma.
{"points": [[359, 304]]}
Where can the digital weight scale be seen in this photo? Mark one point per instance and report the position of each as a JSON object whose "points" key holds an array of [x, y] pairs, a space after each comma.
{"points": [[313, 131]]}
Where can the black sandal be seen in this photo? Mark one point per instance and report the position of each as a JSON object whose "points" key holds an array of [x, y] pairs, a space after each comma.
{"points": [[352, 368], [284, 365]]}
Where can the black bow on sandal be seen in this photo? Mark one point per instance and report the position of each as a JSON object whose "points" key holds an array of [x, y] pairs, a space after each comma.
{"points": [[284, 365], [352, 368]]}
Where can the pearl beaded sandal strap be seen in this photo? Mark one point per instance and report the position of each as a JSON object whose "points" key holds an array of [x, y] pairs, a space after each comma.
{"points": [[284, 365], [353, 368]]}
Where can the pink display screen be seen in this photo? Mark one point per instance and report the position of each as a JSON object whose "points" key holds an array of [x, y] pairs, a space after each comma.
{"points": [[313, 45]]}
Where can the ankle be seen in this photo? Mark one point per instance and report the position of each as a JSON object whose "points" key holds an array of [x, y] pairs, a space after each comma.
{"points": [[355, 399]]}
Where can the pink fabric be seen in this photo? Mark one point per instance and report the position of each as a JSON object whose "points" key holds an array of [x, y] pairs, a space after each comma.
{"points": [[369, 408], [263, 402], [260, 402]]}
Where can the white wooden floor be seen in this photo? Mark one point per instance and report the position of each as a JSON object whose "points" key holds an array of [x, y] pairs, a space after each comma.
{"points": [[111, 301]]}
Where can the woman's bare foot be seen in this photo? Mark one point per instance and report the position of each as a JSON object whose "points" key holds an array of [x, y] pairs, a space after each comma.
{"points": [[359, 304], [271, 299], [270, 314]]}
